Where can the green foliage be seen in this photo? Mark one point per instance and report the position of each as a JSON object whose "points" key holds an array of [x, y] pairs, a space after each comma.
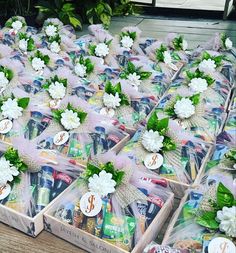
{"points": [[30, 42], [132, 35], [87, 63], [117, 175], [224, 198], [199, 74], [217, 59], [43, 57], [131, 69], [110, 89], [53, 80], [7, 72], [161, 126], [77, 12], [160, 53], [231, 155], [23, 102], [178, 43]]}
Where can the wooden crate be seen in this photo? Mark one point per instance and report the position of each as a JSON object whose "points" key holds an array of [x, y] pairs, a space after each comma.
{"points": [[92, 243]]}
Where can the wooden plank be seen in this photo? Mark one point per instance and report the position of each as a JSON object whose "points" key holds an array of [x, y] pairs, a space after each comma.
{"points": [[12, 241], [217, 24]]}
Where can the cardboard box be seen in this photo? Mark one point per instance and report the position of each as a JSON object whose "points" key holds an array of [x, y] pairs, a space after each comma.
{"points": [[92, 243]]}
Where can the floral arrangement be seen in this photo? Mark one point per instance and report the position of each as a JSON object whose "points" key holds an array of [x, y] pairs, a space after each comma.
{"points": [[51, 29], [226, 42], [127, 39], [209, 63], [183, 107], [55, 43], [101, 49], [70, 118], [103, 179], [83, 66], [217, 212], [156, 138], [15, 24], [6, 76], [179, 43], [11, 165], [39, 61], [11, 108], [199, 81], [26, 43], [56, 87], [134, 75], [163, 55]]}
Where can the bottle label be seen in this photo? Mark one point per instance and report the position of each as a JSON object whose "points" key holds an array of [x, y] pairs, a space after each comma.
{"points": [[43, 197]]}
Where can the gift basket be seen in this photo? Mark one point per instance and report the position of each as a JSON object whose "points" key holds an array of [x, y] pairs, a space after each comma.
{"points": [[28, 184], [169, 151], [112, 206], [204, 221]]}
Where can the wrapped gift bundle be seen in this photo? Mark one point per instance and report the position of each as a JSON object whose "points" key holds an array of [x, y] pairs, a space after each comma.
{"points": [[233, 100], [114, 202], [168, 150], [204, 221], [28, 184]]}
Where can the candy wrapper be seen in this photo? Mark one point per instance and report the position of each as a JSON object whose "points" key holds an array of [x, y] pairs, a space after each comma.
{"points": [[122, 206], [169, 151], [204, 221]]}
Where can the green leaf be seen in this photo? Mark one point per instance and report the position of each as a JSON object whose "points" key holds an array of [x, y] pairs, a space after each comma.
{"points": [[207, 220], [144, 75], [109, 88], [195, 99], [162, 125], [75, 21], [130, 67], [224, 196], [57, 115], [124, 99], [152, 122], [170, 111], [117, 88], [23, 102], [82, 116], [92, 49], [168, 144]]}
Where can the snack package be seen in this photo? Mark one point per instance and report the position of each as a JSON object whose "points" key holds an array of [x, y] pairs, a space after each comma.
{"points": [[153, 247], [121, 207], [169, 151]]}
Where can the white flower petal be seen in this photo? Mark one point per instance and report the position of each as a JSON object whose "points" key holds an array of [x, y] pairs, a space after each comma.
{"points": [[10, 109], [152, 141], [198, 85], [57, 90], [184, 108], [127, 42], [70, 119], [102, 50]]}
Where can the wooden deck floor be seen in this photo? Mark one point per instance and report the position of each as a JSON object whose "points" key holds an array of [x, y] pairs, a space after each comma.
{"points": [[196, 31]]}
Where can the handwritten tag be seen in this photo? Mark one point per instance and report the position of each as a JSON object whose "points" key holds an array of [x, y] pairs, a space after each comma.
{"points": [[221, 245], [153, 161], [54, 104], [5, 126], [61, 138], [90, 204], [4, 191]]}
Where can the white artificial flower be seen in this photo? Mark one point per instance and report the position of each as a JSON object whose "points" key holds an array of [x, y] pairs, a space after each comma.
{"points": [[102, 184], [10, 109], [228, 43], [57, 90], [102, 50], [184, 108], [55, 47], [23, 44], [3, 81], [127, 42], [51, 30], [134, 79], [207, 66], [184, 45], [7, 171], [70, 119], [227, 219], [80, 70], [37, 64], [111, 101], [152, 141], [167, 58], [198, 85], [17, 25]]}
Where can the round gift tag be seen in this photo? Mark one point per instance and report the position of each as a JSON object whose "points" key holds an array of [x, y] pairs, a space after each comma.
{"points": [[5, 126], [221, 245], [61, 138], [90, 204], [153, 161], [54, 104], [5, 191], [106, 111]]}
